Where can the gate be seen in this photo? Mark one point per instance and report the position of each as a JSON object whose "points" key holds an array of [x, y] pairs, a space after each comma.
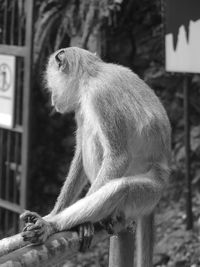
{"points": [[16, 24]]}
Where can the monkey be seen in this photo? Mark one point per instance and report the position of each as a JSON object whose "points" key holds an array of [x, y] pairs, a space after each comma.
{"points": [[123, 147]]}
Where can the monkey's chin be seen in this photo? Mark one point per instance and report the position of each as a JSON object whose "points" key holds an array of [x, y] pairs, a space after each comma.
{"points": [[63, 110], [56, 110]]}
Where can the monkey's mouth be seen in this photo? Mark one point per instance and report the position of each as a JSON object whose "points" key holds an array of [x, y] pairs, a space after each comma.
{"points": [[53, 111]]}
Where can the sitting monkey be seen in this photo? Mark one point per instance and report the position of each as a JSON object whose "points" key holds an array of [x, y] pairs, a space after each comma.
{"points": [[122, 145]]}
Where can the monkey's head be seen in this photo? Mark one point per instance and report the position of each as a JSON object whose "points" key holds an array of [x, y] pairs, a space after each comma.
{"points": [[67, 71]]}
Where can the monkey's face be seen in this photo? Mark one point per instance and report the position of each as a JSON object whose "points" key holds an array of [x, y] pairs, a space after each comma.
{"points": [[62, 81], [68, 70]]}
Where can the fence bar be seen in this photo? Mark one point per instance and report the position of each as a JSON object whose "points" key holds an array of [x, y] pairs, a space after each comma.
{"points": [[122, 250], [58, 248], [18, 92], [10, 244], [8, 178], [187, 154], [19, 9], [13, 21], [1, 170], [14, 50], [10, 206], [5, 22], [8, 154], [1, 160], [16, 172], [27, 103]]}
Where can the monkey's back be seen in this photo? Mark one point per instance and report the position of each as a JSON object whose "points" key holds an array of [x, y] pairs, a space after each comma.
{"points": [[133, 112], [136, 102]]}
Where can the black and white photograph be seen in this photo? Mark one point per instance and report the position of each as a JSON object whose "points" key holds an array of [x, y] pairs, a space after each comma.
{"points": [[100, 133]]}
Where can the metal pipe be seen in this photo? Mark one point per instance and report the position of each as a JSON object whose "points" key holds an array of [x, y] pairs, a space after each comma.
{"points": [[122, 250], [187, 154]]}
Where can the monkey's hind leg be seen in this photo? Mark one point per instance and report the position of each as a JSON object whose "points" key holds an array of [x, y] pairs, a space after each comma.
{"points": [[37, 230], [106, 200]]}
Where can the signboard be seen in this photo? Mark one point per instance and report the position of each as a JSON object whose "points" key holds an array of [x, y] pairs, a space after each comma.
{"points": [[182, 39], [7, 86]]}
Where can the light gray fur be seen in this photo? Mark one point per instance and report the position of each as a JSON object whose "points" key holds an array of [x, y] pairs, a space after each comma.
{"points": [[123, 142]]}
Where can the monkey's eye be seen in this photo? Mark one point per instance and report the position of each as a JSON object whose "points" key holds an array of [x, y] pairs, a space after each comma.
{"points": [[60, 57]]}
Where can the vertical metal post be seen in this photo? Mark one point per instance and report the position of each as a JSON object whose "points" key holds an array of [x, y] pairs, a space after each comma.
{"points": [[2, 138], [27, 102], [122, 250], [145, 240], [187, 154], [5, 23]]}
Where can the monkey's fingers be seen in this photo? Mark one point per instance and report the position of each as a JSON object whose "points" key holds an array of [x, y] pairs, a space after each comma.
{"points": [[33, 238], [29, 217], [86, 233], [28, 235], [27, 227], [35, 234], [33, 227]]}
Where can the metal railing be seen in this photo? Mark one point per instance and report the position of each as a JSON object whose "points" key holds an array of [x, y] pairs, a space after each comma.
{"points": [[16, 40]]}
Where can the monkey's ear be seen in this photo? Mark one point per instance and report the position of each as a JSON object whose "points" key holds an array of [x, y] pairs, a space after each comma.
{"points": [[61, 59]]}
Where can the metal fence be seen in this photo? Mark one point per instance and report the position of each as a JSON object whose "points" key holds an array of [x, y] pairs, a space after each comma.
{"points": [[16, 40]]}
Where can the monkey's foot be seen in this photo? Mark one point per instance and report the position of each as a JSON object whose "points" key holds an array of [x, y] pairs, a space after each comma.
{"points": [[36, 229], [86, 233]]}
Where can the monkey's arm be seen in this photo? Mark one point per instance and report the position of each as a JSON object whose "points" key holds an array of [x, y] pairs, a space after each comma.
{"points": [[72, 187], [74, 183], [141, 193]]}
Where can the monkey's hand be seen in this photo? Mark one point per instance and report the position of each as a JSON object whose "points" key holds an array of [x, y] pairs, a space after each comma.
{"points": [[36, 229]]}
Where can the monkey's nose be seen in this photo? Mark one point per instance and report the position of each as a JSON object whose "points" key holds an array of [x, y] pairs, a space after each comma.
{"points": [[60, 56]]}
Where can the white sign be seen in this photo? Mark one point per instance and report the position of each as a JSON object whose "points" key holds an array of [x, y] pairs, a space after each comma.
{"points": [[7, 89], [182, 39]]}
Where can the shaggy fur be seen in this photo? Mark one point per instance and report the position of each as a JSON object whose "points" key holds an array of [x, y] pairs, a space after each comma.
{"points": [[123, 144]]}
